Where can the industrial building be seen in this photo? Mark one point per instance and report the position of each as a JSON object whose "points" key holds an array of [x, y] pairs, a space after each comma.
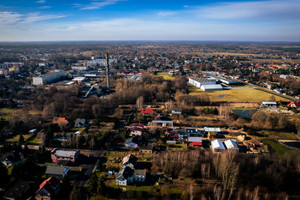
{"points": [[48, 78], [205, 84]]}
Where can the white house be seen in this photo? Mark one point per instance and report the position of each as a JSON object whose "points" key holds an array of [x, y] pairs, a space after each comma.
{"points": [[125, 176]]}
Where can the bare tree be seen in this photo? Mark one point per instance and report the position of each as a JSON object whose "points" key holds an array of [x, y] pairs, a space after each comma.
{"points": [[140, 102]]}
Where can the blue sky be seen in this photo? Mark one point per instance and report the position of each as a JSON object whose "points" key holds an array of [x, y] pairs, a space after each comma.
{"points": [[53, 20]]}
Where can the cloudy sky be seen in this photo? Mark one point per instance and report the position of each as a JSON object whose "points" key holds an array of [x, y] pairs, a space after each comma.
{"points": [[56, 20]]}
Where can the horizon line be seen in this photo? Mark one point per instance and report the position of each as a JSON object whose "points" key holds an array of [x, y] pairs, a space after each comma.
{"points": [[55, 41]]}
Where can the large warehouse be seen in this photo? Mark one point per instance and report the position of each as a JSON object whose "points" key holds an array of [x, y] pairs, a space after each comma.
{"points": [[205, 84]]}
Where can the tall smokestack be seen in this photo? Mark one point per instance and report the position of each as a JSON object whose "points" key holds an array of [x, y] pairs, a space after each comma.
{"points": [[107, 70]]}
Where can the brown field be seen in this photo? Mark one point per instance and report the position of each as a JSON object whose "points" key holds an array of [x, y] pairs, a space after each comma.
{"points": [[237, 95]]}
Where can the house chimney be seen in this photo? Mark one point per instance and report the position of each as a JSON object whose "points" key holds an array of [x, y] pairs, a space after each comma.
{"points": [[107, 70]]}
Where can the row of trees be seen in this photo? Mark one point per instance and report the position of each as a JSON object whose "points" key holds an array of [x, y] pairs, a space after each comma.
{"points": [[236, 176]]}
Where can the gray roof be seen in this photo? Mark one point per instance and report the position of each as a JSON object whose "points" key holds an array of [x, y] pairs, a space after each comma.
{"points": [[125, 172], [140, 172], [55, 170]]}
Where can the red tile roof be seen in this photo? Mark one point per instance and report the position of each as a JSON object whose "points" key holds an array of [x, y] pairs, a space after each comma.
{"points": [[137, 125], [292, 104], [60, 120], [197, 143], [49, 184], [147, 111]]}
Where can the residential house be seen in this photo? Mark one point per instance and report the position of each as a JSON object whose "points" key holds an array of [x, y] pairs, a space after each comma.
{"points": [[48, 189], [18, 191], [125, 176], [131, 145], [79, 123], [146, 149], [176, 111], [162, 123], [139, 175], [147, 111], [136, 131], [212, 131], [62, 121], [11, 158], [129, 160], [57, 171], [293, 105], [58, 155], [138, 125], [128, 175], [194, 132]]}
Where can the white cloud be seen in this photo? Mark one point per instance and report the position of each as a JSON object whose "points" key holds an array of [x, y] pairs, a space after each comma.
{"points": [[12, 18], [273, 9], [97, 4], [166, 13], [44, 7], [41, 1], [9, 18], [142, 29], [36, 17]]}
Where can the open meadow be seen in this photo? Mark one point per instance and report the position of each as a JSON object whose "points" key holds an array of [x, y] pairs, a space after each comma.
{"points": [[165, 75], [236, 94]]}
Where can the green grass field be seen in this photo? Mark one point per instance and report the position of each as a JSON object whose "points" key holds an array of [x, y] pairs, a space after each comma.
{"points": [[33, 140], [278, 135], [165, 75], [277, 147], [5, 113], [16, 138], [236, 94]]}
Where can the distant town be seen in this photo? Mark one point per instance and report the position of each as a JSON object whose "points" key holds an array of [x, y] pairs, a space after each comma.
{"points": [[150, 120]]}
